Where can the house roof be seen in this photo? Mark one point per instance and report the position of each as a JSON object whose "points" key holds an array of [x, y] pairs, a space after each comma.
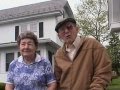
{"points": [[35, 9]]}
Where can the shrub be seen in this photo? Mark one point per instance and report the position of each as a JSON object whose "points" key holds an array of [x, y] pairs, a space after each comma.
{"points": [[2, 86]]}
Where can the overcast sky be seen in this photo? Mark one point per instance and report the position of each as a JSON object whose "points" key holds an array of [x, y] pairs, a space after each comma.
{"points": [[4, 4]]}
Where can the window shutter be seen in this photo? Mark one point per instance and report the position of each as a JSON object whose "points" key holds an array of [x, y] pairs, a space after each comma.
{"points": [[50, 56], [16, 32], [40, 29]]}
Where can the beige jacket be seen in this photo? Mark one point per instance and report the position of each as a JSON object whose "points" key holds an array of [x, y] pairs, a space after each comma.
{"points": [[90, 69]]}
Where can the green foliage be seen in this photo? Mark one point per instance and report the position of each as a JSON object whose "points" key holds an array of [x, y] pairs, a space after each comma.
{"points": [[114, 51], [92, 18], [2, 86]]}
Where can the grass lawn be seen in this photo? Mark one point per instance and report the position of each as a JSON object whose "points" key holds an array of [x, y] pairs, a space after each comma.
{"points": [[115, 85]]}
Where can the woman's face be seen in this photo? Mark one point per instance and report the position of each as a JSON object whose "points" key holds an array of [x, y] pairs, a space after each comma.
{"points": [[27, 47]]}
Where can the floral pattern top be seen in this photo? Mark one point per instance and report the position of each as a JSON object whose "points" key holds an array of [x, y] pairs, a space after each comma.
{"points": [[34, 76]]}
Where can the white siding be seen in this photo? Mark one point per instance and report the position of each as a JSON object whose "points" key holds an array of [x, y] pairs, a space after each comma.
{"points": [[7, 33], [114, 15]]}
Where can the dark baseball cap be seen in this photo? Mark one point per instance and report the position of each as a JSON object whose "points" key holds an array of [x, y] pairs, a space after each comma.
{"points": [[63, 21]]}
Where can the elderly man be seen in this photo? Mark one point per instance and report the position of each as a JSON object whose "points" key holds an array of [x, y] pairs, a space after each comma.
{"points": [[82, 63]]}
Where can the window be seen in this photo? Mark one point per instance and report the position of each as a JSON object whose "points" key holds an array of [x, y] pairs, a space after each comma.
{"points": [[38, 52], [24, 27], [19, 54], [33, 26], [40, 29], [16, 32], [50, 56], [9, 58]]}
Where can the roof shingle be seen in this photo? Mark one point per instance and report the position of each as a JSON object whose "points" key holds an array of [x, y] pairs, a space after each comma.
{"points": [[32, 9]]}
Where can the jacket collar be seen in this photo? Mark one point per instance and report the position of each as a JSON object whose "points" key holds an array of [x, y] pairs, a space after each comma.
{"points": [[82, 39], [37, 59]]}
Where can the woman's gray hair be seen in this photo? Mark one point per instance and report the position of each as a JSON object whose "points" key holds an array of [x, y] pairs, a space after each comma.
{"points": [[27, 34]]}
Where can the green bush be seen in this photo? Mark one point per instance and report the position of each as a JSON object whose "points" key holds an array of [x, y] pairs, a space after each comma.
{"points": [[2, 86]]}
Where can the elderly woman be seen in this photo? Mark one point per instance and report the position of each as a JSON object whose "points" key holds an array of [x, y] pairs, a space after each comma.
{"points": [[30, 71]]}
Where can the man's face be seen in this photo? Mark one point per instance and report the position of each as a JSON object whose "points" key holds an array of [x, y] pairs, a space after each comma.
{"points": [[68, 32]]}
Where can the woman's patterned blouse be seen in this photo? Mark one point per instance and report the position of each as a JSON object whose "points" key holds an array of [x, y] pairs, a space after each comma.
{"points": [[34, 76]]}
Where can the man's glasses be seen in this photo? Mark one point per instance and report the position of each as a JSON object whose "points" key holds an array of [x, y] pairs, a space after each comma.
{"points": [[68, 26]]}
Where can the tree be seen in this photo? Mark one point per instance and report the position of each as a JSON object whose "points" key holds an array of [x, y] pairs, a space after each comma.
{"points": [[92, 18], [114, 51]]}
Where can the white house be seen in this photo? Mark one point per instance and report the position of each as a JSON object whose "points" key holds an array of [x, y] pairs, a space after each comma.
{"points": [[39, 18], [114, 15]]}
